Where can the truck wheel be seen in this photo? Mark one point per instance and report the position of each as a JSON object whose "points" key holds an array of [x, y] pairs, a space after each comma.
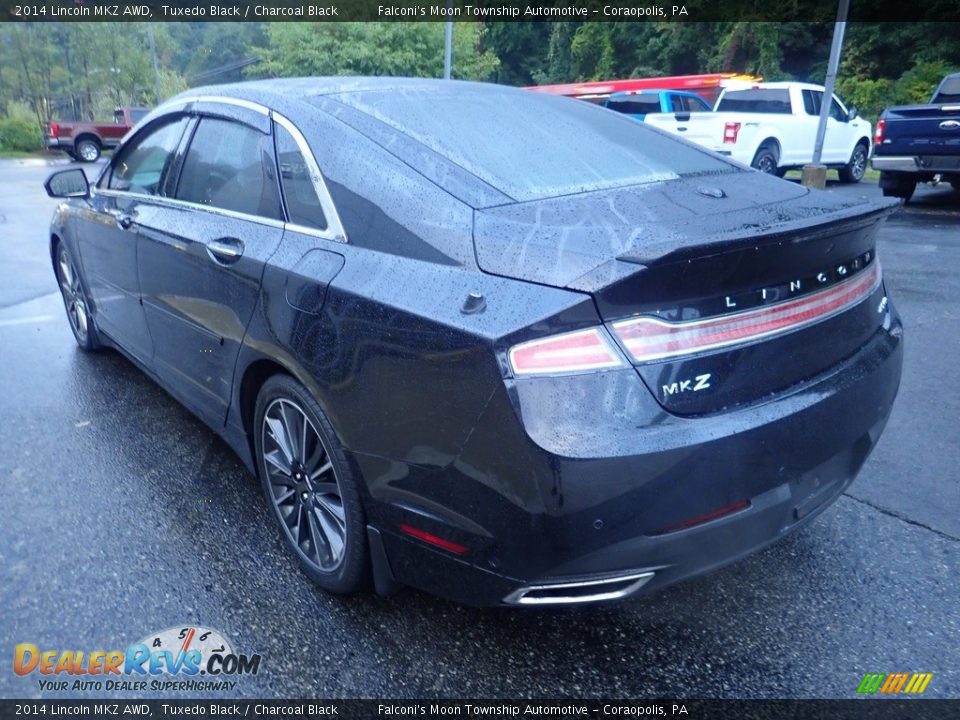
{"points": [[898, 185], [854, 170], [88, 150], [766, 160]]}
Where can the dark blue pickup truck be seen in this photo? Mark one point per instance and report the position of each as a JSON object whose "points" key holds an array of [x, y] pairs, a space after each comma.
{"points": [[920, 143]]}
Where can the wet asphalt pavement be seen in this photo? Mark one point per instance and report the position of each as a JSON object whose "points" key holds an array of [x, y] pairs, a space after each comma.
{"points": [[121, 514]]}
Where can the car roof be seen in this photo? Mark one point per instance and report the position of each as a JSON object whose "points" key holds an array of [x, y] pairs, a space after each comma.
{"points": [[651, 91], [433, 124], [780, 85]]}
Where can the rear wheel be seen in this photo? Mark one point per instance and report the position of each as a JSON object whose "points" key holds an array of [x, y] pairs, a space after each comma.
{"points": [[75, 301], [309, 485], [88, 150], [899, 185], [854, 170], [766, 160]]}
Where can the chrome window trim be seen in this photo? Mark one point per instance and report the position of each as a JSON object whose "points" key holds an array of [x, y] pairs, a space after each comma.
{"points": [[174, 202], [222, 99], [334, 230]]}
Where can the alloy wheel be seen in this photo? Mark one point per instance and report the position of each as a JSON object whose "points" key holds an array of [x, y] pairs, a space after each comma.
{"points": [[88, 152], [303, 485], [766, 164], [73, 298], [858, 165]]}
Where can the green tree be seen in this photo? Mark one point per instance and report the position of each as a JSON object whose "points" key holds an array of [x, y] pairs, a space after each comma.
{"points": [[374, 48]]}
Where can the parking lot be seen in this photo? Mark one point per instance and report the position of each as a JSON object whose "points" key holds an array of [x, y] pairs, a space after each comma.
{"points": [[124, 515]]}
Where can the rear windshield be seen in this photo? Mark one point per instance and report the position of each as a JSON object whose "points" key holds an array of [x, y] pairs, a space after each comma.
{"points": [[759, 100], [948, 92], [531, 145], [635, 105]]}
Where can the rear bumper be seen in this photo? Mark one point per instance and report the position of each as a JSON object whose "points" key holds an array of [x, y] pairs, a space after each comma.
{"points": [[895, 164], [59, 144], [599, 523], [924, 164]]}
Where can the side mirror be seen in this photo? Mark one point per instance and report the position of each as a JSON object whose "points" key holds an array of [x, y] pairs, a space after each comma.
{"points": [[683, 116], [852, 114], [70, 183]]}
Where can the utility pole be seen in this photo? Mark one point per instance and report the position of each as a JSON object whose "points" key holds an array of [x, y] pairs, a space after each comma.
{"points": [[448, 43], [156, 67], [815, 174]]}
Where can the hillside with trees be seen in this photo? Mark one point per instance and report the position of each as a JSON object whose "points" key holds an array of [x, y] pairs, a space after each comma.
{"points": [[84, 70]]}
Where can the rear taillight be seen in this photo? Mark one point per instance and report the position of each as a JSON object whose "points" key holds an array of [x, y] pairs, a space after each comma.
{"points": [[579, 351], [878, 135], [54, 130], [647, 338], [730, 132]]}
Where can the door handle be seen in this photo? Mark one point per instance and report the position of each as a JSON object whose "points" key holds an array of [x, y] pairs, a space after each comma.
{"points": [[123, 219], [225, 250]]}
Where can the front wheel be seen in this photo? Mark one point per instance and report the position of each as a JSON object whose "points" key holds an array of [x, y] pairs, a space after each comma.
{"points": [[75, 301], [766, 160], [854, 170], [309, 484]]}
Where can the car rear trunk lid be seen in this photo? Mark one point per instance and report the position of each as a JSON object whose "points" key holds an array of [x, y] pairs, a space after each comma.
{"points": [[721, 246]]}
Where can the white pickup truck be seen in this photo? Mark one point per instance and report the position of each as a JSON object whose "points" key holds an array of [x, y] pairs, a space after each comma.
{"points": [[773, 127]]}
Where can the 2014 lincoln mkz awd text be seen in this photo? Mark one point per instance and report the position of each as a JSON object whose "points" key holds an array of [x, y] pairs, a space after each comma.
{"points": [[501, 346]]}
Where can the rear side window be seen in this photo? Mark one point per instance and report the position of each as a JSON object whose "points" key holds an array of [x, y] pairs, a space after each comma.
{"points": [[140, 165], [948, 92], [635, 104], [299, 193], [698, 105], [230, 166], [756, 100]]}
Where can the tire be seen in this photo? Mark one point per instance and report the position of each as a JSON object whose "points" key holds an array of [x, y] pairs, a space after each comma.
{"points": [[766, 160], [854, 170], [87, 150], [898, 185], [75, 301], [313, 493]]}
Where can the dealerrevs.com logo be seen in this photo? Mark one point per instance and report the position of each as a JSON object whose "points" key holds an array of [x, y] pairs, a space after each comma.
{"points": [[184, 653]]}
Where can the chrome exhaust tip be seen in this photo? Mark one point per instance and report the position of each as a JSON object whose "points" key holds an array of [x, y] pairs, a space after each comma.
{"points": [[581, 591]]}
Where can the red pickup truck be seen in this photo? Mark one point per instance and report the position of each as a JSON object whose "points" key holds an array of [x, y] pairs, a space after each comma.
{"points": [[85, 141]]}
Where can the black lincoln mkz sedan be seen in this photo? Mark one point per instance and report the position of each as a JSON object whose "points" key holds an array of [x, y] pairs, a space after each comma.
{"points": [[504, 347]]}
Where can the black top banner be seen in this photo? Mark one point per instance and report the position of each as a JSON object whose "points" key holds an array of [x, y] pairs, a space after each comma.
{"points": [[863, 709], [474, 10]]}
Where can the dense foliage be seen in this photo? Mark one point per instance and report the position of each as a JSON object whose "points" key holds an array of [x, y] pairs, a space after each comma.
{"points": [[84, 70], [19, 135]]}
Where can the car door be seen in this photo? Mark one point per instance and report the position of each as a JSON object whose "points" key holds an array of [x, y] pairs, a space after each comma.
{"points": [[839, 140], [836, 140], [108, 236], [202, 254]]}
